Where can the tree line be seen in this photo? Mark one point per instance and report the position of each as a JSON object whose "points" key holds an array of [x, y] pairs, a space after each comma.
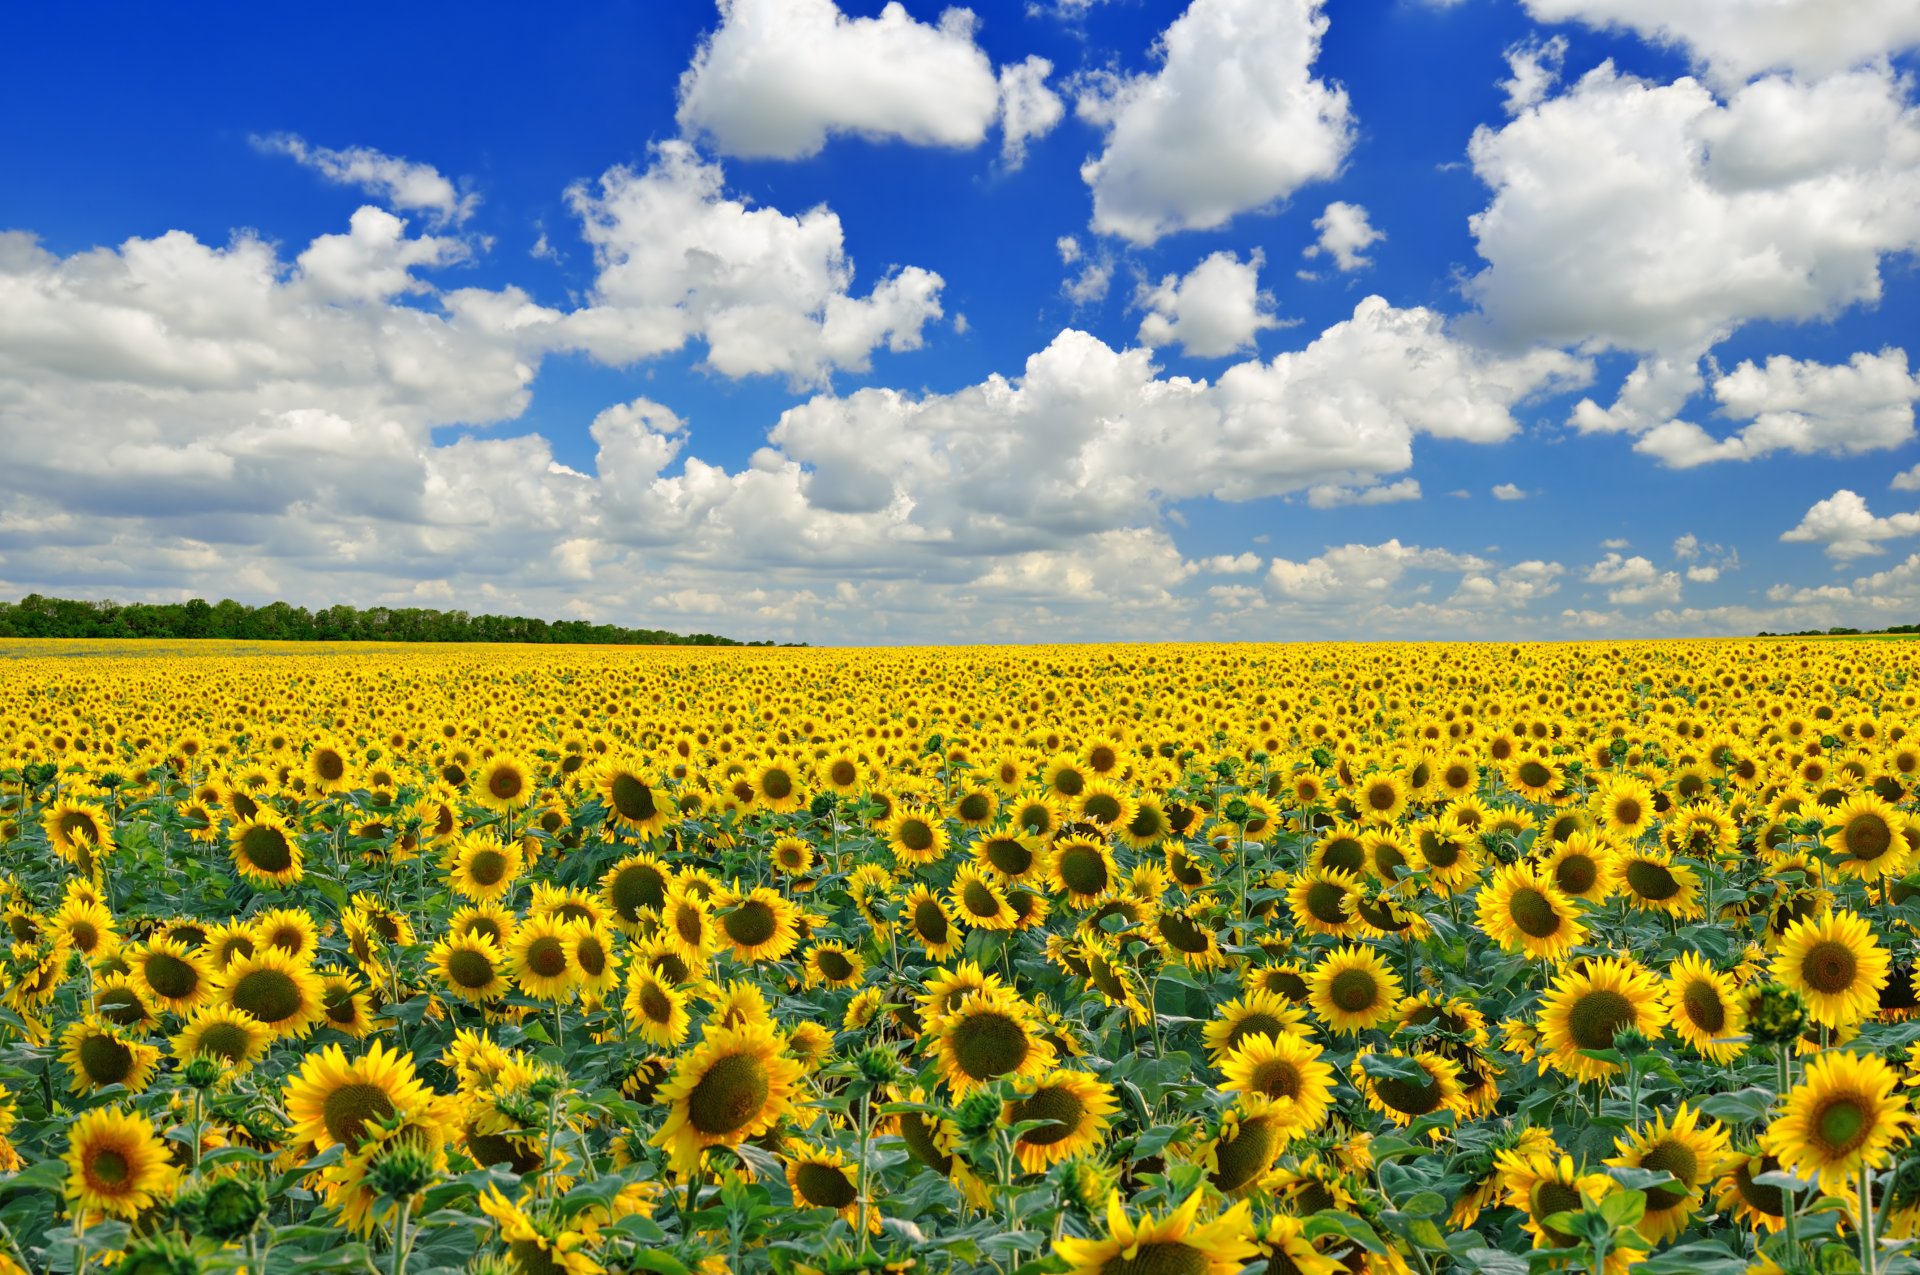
{"points": [[42, 617]]}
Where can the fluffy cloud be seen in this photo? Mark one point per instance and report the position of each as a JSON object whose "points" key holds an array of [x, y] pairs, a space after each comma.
{"points": [[1634, 581], [1215, 310], [1028, 108], [769, 293], [1655, 218], [1738, 39], [778, 77], [1520, 585], [1800, 406], [397, 182], [1536, 69], [1357, 572], [1845, 528], [1508, 491], [1232, 120], [1345, 235], [1333, 496]]}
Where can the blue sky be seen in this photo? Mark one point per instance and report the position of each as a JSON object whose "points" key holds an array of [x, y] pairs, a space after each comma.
{"points": [[1107, 318]]}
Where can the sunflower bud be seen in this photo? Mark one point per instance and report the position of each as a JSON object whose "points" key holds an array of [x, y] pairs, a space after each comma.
{"points": [[1236, 810], [879, 1066], [401, 1170], [1775, 1013], [159, 1255], [545, 1087], [977, 1113], [227, 1208], [203, 1072]]}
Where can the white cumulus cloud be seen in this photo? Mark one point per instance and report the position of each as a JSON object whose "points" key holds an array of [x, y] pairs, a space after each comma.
{"points": [[1845, 528], [1345, 235], [1215, 309], [400, 183]]}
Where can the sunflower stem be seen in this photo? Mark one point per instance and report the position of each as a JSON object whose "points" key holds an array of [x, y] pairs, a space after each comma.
{"points": [[1785, 1068], [866, 1132], [400, 1245], [1867, 1247]]}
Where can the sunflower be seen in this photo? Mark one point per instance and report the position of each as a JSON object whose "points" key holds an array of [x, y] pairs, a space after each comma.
{"points": [[344, 999], [172, 973], [1319, 901], [833, 964], [1352, 989], [1076, 1108], [482, 921], [916, 837], [1258, 1013], [264, 849], [471, 967], [791, 856], [1405, 1098], [329, 767], [634, 887], [821, 1178], [1678, 1145], [1541, 1184], [1148, 826], [1835, 962], [1104, 804], [975, 806], [1008, 855], [80, 833], [86, 926], [503, 782], [98, 1054], [656, 1009], [1843, 1114], [631, 798], [760, 924], [595, 955], [333, 1101], [977, 901], [1082, 869], [1448, 850], [1582, 867], [117, 1163], [1188, 935], [1706, 1009], [687, 927], [1290, 1252], [926, 918], [279, 992], [737, 1083], [1381, 797], [537, 1245], [235, 1039], [1654, 882], [1174, 1245], [1523, 912], [1286, 1070], [1762, 1208], [1870, 841], [987, 1036], [1250, 1138], [1590, 1003], [542, 958], [124, 1003], [483, 868]]}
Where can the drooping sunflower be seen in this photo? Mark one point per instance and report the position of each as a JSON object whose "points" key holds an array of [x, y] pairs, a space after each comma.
{"points": [[1285, 1069], [265, 849], [737, 1083], [117, 1163], [1705, 1009], [1177, 1244], [1076, 1107], [1654, 881], [471, 967], [656, 1009], [975, 900], [1837, 964], [537, 1244], [278, 991], [916, 837], [97, 1054], [1871, 840], [1590, 1003], [542, 958], [336, 1101], [760, 924], [1406, 1098], [1353, 988], [988, 1036], [225, 1034], [1677, 1144], [1846, 1112], [823, 1178], [1250, 1137], [503, 782], [632, 799], [482, 867], [1523, 912], [1258, 1013]]}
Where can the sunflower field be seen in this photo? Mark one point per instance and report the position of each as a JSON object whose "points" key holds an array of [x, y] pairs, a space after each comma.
{"points": [[1129, 960]]}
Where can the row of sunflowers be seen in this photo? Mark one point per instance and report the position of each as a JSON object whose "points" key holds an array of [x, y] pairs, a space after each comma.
{"points": [[1132, 960]]}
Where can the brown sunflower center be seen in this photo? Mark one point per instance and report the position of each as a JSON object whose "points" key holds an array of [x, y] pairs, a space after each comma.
{"points": [[824, 1186], [1548, 1198], [1161, 1257], [1325, 900], [267, 848], [637, 886], [979, 900], [109, 1167], [988, 1044], [1576, 873], [1677, 1158], [751, 924], [930, 922], [1084, 870], [632, 798], [105, 1060], [329, 765], [225, 1040], [1410, 1097], [1354, 991], [1829, 966], [1008, 856], [1534, 913], [1596, 1017], [1258, 1023], [777, 784], [547, 956], [270, 995], [1055, 1103], [1243, 1157], [350, 1108], [171, 977], [1381, 797], [1276, 1078], [487, 868], [1866, 836], [916, 834], [1770, 1200], [1102, 808], [1652, 881], [834, 964], [729, 1096], [975, 806], [1702, 1002], [1535, 774], [655, 1004], [469, 968], [506, 783]]}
